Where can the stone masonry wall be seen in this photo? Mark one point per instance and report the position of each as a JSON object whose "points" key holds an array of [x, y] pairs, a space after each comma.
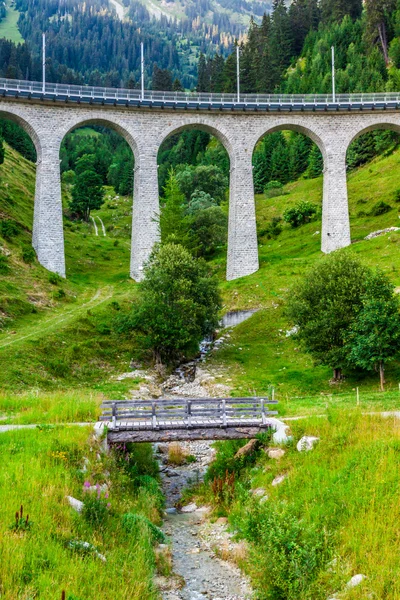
{"points": [[145, 130]]}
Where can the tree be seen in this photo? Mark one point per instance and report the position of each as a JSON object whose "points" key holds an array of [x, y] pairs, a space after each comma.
{"points": [[210, 226], [2, 151], [179, 304], [335, 10], [162, 80], [207, 178], [174, 223], [87, 194], [374, 337], [378, 13], [324, 305]]}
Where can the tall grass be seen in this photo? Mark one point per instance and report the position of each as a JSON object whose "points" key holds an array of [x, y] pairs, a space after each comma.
{"points": [[39, 469], [335, 515], [57, 407]]}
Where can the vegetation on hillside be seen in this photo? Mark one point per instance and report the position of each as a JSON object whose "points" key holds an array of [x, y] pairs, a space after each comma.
{"points": [[309, 535], [48, 547]]}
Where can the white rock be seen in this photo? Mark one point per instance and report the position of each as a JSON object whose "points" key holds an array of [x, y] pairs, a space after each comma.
{"points": [[356, 580], [279, 479], [292, 331], [258, 492], [307, 443], [276, 453], [189, 508], [75, 504]]}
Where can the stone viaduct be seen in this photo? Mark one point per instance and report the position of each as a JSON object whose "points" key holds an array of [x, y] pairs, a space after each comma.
{"points": [[145, 128]]}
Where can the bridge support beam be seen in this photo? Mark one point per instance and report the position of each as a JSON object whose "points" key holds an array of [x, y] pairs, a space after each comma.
{"points": [[181, 435], [145, 215], [48, 234], [335, 206], [242, 233]]}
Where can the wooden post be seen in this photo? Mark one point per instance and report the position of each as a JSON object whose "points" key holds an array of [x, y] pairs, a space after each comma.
{"points": [[114, 414], [224, 424], [154, 416], [263, 415], [358, 397]]}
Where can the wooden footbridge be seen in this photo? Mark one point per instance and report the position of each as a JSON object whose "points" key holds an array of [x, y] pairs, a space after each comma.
{"points": [[168, 420]]}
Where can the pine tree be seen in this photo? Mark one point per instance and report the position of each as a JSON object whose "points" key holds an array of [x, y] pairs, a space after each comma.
{"points": [[230, 74], [335, 10], [281, 40], [202, 76], [174, 223], [378, 17]]}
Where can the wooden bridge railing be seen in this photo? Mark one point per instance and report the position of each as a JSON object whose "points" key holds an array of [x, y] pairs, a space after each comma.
{"points": [[187, 413]]}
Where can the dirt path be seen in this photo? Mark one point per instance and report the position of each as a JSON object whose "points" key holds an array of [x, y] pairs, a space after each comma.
{"points": [[53, 321]]}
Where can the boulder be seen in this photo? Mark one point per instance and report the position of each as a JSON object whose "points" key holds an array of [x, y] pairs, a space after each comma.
{"points": [[275, 453], [248, 449], [189, 508], [258, 492], [356, 580], [307, 443], [75, 504], [279, 479]]}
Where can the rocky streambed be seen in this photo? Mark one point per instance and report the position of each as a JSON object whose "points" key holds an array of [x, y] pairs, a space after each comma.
{"points": [[197, 543]]}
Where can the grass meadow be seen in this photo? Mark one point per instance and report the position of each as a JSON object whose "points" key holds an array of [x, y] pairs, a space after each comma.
{"points": [[334, 516], [40, 467]]}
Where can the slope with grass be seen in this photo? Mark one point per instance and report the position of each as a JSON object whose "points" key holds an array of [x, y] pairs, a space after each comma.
{"points": [[62, 335], [100, 553], [260, 352], [334, 515]]}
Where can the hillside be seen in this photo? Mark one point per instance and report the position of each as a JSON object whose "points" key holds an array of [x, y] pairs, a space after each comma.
{"points": [[64, 330]]}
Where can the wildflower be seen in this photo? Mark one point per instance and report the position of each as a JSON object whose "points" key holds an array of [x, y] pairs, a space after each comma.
{"points": [[87, 484]]}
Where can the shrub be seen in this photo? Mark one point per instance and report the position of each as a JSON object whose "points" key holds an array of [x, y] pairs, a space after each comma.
{"points": [[28, 255], [176, 455], [300, 214], [397, 196], [136, 524], [273, 185], [4, 266], [380, 208], [95, 506], [273, 229], [54, 279], [9, 229]]}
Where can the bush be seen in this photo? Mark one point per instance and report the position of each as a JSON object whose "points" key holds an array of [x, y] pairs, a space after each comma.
{"points": [[28, 255], [54, 279], [300, 214], [4, 266], [273, 229], [397, 196], [95, 506], [273, 189], [380, 208], [9, 229], [138, 524]]}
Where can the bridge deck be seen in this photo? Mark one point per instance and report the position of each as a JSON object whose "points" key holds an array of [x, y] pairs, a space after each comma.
{"points": [[60, 92], [186, 419]]}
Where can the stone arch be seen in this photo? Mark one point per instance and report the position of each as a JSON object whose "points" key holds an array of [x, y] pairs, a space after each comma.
{"points": [[284, 126], [380, 124], [202, 125], [26, 126], [104, 122]]}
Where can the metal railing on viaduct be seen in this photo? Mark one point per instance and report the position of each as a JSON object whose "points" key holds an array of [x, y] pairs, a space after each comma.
{"points": [[48, 113], [181, 419], [192, 100]]}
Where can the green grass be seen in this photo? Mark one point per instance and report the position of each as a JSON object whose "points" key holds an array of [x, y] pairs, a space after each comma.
{"points": [[258, 354], [62, 336], [9, 25], [334, 516], [42, 468]]}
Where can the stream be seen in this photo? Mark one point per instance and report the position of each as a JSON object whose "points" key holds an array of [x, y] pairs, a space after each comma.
{"points": [[205, 576]]}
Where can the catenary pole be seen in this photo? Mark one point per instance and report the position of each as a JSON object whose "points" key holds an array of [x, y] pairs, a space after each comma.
{"points": [[44, 62], [238, 72], [142, 67], [333, 75]]}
